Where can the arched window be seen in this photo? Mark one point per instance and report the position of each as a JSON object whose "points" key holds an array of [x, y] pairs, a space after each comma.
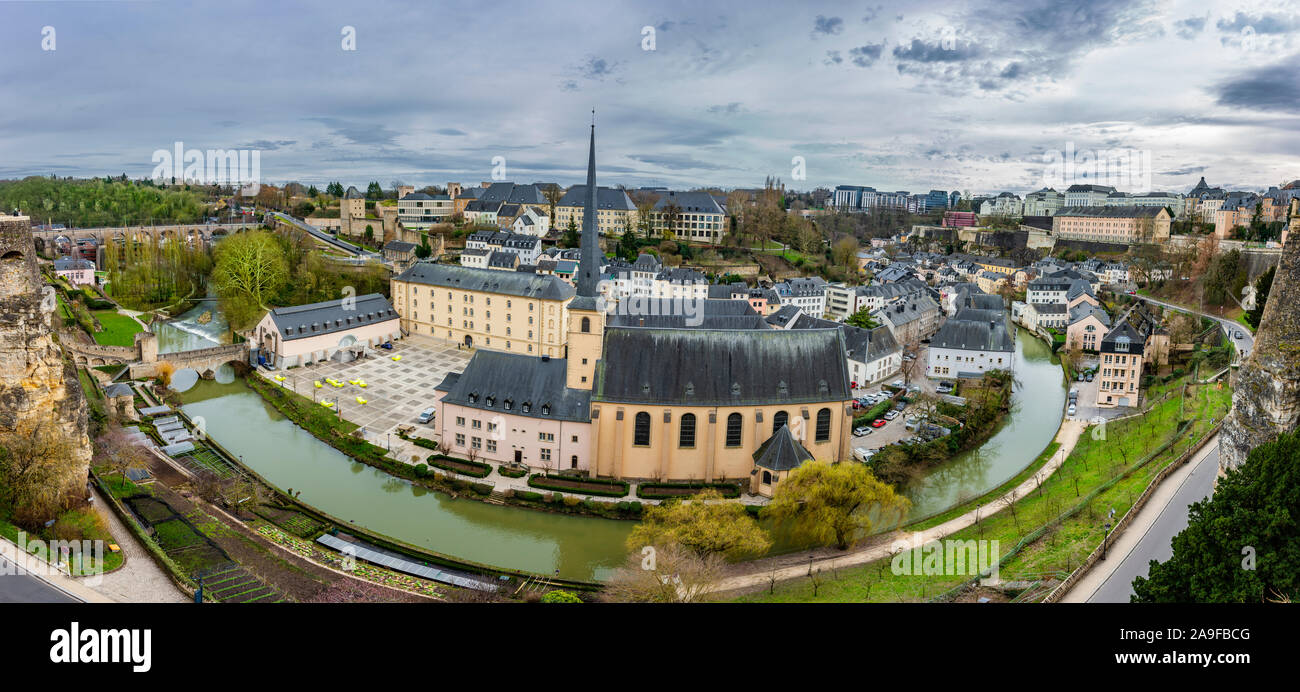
{"points": [[586, 325], [778, 420], [734, 425], [823, 425], [767, 478], [686, 434], [641, 433]]}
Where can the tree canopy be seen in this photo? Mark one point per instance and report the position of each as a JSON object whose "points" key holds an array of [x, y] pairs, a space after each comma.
{"points": [[705, 524], [835, 503]]}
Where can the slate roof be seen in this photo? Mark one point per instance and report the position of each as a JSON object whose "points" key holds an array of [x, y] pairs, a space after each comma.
{"points": [[971, 335], [1049, 308], [667, 313], [510, 193], [1120, 333], [314, 319], [689, 202], [781, 452], [1110, 212], [542, 286], [782, 318], [1082, 310], [983, 301], [399, 246], [71, 264], [527, 385], [606, 198], [710, 367]]}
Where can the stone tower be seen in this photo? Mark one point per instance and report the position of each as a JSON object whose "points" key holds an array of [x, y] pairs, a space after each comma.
{"points": [[38, 388], [1266, 395]]}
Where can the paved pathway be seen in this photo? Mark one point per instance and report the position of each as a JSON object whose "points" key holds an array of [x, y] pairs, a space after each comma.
{"points": [[1149, 536], [880, 547], [140, 580]]}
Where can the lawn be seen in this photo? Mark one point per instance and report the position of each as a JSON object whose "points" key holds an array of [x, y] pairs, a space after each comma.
{"points": [[119, 330], [1052, 529]]}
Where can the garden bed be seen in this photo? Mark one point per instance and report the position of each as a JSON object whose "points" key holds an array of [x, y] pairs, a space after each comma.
{"points": [[587, 486], [657, 491], [469, 468]]}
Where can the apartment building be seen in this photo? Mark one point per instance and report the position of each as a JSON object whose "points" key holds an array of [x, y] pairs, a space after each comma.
{"points": [[516, 312], [1087, 195], [910, 319], [615, 211], [1120, 374], [692, 216], [528, 247], [970, 347], [806, 293], [420, 211], [1113, 224]]}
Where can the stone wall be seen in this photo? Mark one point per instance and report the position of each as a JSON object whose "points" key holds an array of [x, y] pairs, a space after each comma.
{"points": [[1266, 391], [38, 388]]}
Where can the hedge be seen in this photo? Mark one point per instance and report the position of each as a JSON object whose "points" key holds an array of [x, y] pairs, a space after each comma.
{"points": [[526, 495], [444, 463], [511, 473], [549, 483], [647, 490]]}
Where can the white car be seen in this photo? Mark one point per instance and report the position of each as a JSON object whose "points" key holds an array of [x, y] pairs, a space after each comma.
{"points": [[1071, 410]]}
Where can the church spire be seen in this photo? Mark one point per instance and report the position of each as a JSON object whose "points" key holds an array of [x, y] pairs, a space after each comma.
{"points": [[589, 264]]}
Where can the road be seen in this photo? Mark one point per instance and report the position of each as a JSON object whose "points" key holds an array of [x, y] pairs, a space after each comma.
{"points": [[17, 586], [323, 236], [1150, 535], [1230, 327]]}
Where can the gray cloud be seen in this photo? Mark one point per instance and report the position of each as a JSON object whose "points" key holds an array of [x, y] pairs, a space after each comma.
{"points": [[358, 132], [1273, 87], [1190, 27], [451, 132], [832, 58], [732, 108], [828, 25], [1265, 23], [866, 55]]}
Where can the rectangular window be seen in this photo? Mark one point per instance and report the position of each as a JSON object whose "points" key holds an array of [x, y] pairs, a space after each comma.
{"points": [[460, 439]]}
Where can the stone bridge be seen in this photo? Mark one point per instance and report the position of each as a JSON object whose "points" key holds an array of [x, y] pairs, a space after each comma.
{"points": [[144, 358], [204, 231]]}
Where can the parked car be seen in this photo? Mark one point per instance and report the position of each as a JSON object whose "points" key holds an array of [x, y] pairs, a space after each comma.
{"points": [[898, 383], [879, 422], [1089, 378], [891, 415], [861, 430], [426, 415], [863, 454], [1071, 410], [1240, 335]]}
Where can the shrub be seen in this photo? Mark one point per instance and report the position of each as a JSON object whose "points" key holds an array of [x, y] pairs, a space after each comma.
{"points": [[528, 495], [482, 488], [616, 488], [558, 596], [422, 470], [446, 463], [511, 472], [571, 501], [662, 490]]}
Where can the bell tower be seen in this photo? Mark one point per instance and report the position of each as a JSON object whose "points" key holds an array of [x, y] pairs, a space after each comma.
{"points": [[586, 318]]}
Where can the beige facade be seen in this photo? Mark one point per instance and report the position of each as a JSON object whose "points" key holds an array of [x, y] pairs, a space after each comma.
{"points": [[1086, 334], [667, 449], [1112, 226], [1120, 375], [608, 221], [483, 318]]}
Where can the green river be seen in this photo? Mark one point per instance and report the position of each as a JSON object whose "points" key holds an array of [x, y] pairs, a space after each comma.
{"points": [[570, 546]]}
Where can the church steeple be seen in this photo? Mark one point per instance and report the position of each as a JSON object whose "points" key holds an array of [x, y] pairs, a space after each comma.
{"points": [[589, 264], [586, 329]]}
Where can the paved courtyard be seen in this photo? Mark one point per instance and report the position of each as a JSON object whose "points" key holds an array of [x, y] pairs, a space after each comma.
{"points": [[395, 392]]}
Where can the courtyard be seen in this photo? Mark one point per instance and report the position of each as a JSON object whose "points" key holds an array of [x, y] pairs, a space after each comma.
{"points": [[396, 391]]}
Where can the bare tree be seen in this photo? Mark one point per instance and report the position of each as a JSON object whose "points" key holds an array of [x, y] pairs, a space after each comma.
{"points": [[676, 575]]}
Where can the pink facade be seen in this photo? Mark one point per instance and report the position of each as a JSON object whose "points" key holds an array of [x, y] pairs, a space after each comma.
{"points": [[500, 437], [78, 277]]}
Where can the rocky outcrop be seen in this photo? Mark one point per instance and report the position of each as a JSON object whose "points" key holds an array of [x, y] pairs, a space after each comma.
{"points": [[1266, 391], [39, 390]]}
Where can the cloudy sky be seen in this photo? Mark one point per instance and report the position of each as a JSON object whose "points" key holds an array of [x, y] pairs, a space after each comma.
{"points": [[916, 95]]}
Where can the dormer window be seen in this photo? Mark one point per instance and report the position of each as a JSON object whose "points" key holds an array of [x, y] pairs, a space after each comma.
{"points": [[735, 389], [509, 404], [546, 409], [491, 400], [822, 387], [690, 389], [528, 406], [782, 387], [473, 397]]}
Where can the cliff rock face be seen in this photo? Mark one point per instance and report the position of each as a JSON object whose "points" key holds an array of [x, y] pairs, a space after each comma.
{"points": [[38, 388], [1266, 394]]}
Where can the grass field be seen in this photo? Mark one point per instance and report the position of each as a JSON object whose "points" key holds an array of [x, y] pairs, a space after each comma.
{"points": [[119, 330], [1108, 468]]}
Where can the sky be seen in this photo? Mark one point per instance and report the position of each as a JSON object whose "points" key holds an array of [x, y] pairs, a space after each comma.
{"points": [[973, 96]]}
